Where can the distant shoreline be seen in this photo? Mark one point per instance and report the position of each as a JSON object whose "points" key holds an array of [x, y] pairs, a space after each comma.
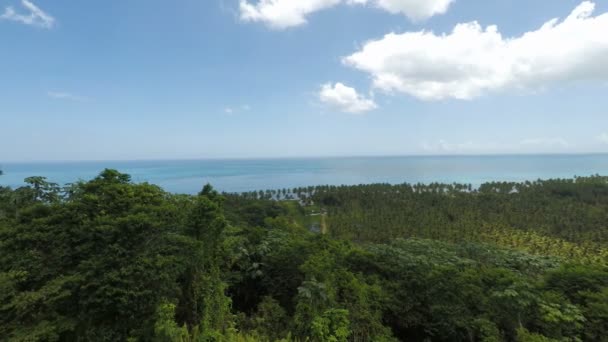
{"points": [[492, 155]]}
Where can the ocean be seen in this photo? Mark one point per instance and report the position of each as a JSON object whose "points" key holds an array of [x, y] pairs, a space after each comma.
{"points": [[188, 176]]}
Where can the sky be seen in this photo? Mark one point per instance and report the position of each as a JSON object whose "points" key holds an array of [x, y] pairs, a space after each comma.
{"points": [[122, 80]]}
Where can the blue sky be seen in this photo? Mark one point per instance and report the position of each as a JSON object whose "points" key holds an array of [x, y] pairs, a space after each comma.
{"points": [[115, 79]]}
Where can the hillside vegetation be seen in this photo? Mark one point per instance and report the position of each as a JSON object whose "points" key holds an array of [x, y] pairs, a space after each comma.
{"points": [[110, 260]]}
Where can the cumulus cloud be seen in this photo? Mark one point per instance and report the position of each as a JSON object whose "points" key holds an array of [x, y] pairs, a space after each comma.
{"points": [[62, 95], [345, 99], [35, 17], [414, 9], [471, 61], [281, 14]]}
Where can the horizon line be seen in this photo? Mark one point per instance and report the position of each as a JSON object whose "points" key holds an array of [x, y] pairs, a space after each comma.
{"points": [[531, 154]]}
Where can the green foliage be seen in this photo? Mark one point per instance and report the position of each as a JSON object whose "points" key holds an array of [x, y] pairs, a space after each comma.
{"points": [[166, 329], [110, 260], [565, 218], [269, 320], [523, 335], [595, 311], [332, 326], [97, 264]]}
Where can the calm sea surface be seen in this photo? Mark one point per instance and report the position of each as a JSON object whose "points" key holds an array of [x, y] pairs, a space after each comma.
{"points": [[188, 176]]}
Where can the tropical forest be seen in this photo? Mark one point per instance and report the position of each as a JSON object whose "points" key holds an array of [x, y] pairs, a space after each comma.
{"points": [[110, 259]]}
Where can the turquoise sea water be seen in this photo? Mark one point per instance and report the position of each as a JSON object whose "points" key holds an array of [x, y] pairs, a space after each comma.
{"points": [[188, 176]]}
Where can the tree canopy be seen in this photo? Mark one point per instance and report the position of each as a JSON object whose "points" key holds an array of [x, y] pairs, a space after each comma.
{"points": [[112, 260]]}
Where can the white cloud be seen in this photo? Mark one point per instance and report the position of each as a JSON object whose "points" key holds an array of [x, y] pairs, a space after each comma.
{"points": [[36, 17], [443, 146], [471, 61], [345, 99], [234, 110], [545, 143], [281, 14], [533, 145], [62, 95], [603, 138], [415, 9]]}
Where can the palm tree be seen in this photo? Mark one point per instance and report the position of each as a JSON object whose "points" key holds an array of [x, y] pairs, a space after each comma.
{"points": [[315, 292]]}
